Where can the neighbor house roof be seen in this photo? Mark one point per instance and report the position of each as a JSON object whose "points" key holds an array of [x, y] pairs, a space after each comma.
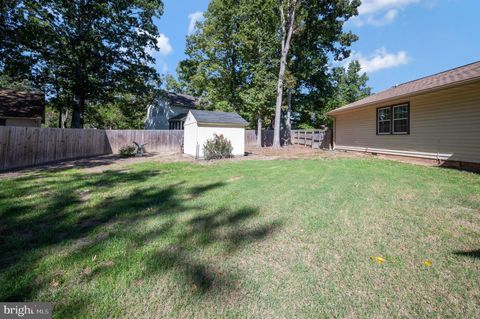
{"points": [[218, 117], [453, 77], [179, 117], [21, 104], [183, 100]]}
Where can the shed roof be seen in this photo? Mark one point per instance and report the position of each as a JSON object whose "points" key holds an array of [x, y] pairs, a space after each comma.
{"points": [[218, 117], [457, 76], [21, 104]]}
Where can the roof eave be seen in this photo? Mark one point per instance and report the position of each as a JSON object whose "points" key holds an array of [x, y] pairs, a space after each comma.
{"points": [[402, 96], [222, 124]]}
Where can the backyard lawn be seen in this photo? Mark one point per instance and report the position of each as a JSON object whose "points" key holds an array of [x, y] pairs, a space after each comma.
{"points": [[348, 237]]}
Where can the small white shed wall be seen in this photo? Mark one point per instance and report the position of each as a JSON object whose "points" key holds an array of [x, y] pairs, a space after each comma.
{"points": [[236, 135], [190, 138]]}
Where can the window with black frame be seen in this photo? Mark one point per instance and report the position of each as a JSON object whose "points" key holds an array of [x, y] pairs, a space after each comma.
{"points": [[400, 119], [384, 120], [393, 119]]}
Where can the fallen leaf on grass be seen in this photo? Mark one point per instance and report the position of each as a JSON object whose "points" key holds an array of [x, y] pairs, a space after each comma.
{"points": [[379, 260], [55, 283], [427, 263]]}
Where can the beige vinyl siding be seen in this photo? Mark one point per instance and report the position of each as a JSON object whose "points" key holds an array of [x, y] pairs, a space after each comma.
{"points": [[443, 124]]}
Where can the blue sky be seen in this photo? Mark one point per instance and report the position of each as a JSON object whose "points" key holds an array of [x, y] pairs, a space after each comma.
{"points": [[400, 40]]}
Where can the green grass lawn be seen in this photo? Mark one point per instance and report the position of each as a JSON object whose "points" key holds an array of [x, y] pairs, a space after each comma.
{"points": [[270, 239]]}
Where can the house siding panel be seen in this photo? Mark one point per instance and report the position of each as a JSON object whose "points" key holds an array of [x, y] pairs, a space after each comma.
{"points": [[445, 124]]}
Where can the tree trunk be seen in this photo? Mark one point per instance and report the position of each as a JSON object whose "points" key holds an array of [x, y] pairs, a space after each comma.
{"points": [[62, 118], [259, 131], [78, 109], [288, 23], [289, 119], [278, 104]]}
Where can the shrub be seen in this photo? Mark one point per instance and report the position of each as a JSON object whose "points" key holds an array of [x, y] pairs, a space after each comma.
{"points": [[127, 151], [217, 147]]}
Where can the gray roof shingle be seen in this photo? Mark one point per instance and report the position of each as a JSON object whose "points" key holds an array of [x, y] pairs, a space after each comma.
{"points": [[22, 104], [183, 100], [447, 78], [218, 117]]}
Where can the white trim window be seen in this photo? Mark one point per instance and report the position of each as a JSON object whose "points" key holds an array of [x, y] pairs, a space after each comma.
{"points": [[384, 120]]}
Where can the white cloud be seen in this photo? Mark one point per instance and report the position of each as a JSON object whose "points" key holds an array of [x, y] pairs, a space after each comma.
{"points": [[380, 59], [380, 12], [373, 6], [164, 46], [194, 17], [386, 19]]}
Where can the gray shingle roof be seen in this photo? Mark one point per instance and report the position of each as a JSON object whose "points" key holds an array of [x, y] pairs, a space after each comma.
{"points": [[22, 104], [179, 117], [183, 100], [218, 117], [455, 76]]}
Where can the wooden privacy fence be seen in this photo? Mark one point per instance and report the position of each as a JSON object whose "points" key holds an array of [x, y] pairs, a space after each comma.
{"points": [[267, 137], [28, 146], [158, 141], [313, 138]]}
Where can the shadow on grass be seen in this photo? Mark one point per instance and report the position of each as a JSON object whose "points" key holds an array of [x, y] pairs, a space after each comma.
{"points": [[223, 227], [469, 253], [66, 218]]}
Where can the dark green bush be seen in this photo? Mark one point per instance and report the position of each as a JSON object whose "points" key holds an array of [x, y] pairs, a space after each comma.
{"points": [[127, 151], [217, 147]]}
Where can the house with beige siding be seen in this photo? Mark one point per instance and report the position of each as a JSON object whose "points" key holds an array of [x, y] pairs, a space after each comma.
{"points": [[435, 117]]}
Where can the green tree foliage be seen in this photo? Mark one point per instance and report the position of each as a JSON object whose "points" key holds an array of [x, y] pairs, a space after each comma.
{"points": [[81, 52], [126, 111], [230, 57], [348, 85], [235, 56], [318, 39], [7, 82]]}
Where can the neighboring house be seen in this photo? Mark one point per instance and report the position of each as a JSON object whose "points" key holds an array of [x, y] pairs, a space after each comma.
{"points": [[18, 108], [435, 117], [169, 111], [202, 125]]}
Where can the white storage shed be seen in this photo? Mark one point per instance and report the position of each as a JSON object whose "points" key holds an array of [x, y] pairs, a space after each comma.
{"points": [[200, 126]]}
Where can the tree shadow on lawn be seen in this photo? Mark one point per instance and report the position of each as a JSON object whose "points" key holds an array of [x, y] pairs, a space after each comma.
{"points": [[469, 253], [221, 227], [66, 218]]}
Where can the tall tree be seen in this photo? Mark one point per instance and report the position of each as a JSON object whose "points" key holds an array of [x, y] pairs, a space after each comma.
{"points": [[244, 56], [288, 11], [312, 31], [348, 84], [213, 69], [232, 60], [82, 51]]}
